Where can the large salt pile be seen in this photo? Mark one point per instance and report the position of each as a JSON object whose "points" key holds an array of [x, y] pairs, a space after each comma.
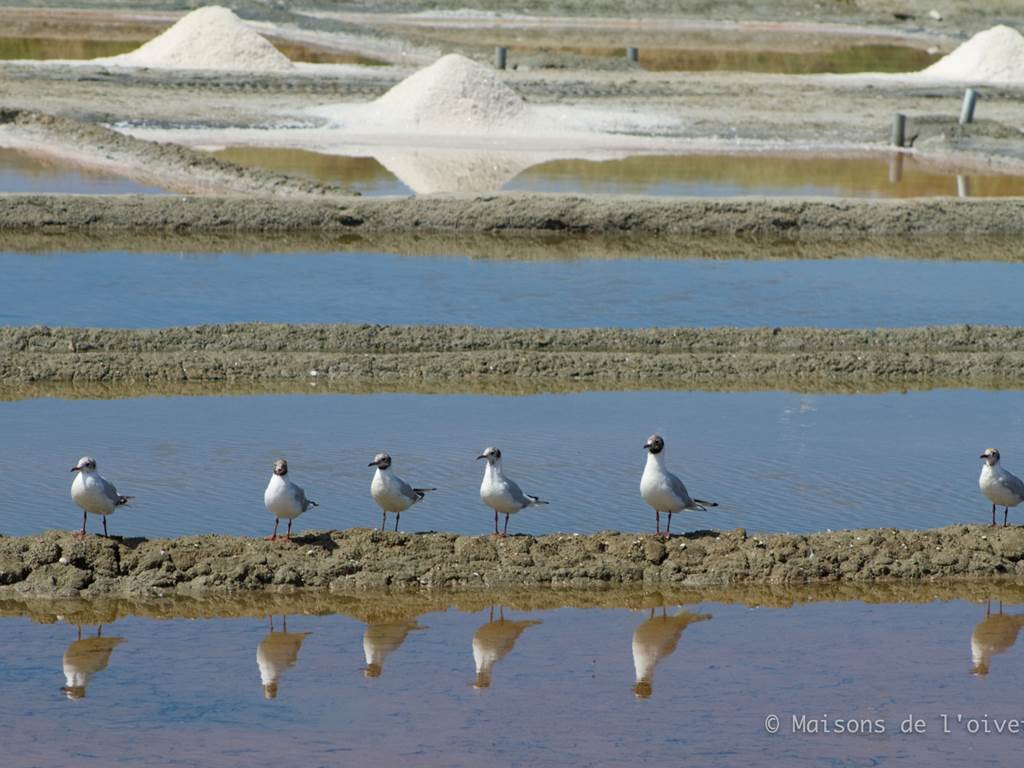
{"points": [[208, 38], [995, 55], [452, 95]]}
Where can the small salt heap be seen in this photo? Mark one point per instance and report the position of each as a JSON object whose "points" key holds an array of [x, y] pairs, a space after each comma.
{"points": [[995, 55], [454, 95], [208, 38]]}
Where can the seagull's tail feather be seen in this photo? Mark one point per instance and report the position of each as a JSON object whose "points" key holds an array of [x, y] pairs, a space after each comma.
{"points": [[122, 500], [703, 505], [536, 500], [311, 503], [421, 492]]}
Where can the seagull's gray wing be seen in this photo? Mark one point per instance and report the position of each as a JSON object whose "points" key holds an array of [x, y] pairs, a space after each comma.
{"points": [[407, 490], [680, 490], [111, 492], [1013, 484], [300, 498], [520, 498]]}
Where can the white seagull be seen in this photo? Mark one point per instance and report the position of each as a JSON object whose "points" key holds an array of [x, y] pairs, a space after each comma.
{"points": [[391, 492], [999, 486], [284, 499], [94, 494], [663, 490], [501, 493]]}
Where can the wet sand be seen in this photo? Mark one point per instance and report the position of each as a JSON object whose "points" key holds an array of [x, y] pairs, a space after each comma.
{"points": [[462, 358], [59, 564]]}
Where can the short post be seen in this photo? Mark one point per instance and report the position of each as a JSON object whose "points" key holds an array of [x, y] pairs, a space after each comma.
{"points": [[963, 186], [899, 129], [500, 57], [633, 55], [967, 110]]}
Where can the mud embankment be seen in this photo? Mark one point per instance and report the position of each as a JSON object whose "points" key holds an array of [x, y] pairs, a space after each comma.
{"points": [[461, 358], [62, 565], [834, 218]]}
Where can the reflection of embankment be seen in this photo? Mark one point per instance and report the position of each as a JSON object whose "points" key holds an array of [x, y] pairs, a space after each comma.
{"points": [[61, 565], [375, 606], [464, 358]]}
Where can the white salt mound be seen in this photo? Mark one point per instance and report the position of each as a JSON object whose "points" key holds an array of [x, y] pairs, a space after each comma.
{"points": [[208, 38], [995, 55], [454, 94]]}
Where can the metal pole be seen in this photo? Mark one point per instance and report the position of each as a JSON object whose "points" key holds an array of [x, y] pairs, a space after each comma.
{"points": [[967, 110], [899, 129], [500, 57], [633, 55]]}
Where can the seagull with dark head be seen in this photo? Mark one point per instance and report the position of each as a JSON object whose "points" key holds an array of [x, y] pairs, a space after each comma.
{"points": [[391, 492], [663, 490], [283, 498], [501, 493]]}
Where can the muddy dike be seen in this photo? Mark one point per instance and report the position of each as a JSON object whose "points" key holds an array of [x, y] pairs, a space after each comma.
{"points": [[535, 246], [829, 218], [60, 564], [463, 358]]}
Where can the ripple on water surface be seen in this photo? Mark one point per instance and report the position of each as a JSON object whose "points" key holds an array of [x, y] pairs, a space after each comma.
{"points": [[773, 460], [159, 290], [505, 686]]}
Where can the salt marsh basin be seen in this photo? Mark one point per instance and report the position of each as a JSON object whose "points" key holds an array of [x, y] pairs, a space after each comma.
{"points": [[497, 674]]}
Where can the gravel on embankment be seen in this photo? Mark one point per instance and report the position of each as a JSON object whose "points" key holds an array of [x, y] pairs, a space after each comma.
{"points": [[60, 564], [463, 358]]}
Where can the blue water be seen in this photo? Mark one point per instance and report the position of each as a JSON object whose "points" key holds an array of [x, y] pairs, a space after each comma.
{"points": [[190, 693], [152, 290], [775, 461]]}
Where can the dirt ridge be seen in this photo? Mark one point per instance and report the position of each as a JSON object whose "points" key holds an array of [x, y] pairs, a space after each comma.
{"points": [[59, 564]]}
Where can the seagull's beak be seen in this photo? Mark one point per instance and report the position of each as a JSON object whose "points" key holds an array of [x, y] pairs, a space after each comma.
{"points": [[481, 456], [647, 446], [373, 464], [75, 469], [983, 456]]}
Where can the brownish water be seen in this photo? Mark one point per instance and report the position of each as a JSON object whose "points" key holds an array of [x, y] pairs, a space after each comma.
{"points": [[713, 175]]}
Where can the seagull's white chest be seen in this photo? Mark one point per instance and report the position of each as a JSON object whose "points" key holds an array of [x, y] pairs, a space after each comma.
{"points": [[496, 493], [656, 489], [387, 492], [991, 484], [282, 499], [88, 492]]}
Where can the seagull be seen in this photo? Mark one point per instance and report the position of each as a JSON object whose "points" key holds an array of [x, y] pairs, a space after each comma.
{"points": [[285, 499], [663, 490], [999, 486], [391, 492], [499, 492], [94, 494], [655, 639]]}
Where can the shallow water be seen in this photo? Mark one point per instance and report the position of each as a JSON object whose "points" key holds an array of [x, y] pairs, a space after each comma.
{"points": [[562, 687], [774, 461], [156, 290], [21, 172], [711, 175]]}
